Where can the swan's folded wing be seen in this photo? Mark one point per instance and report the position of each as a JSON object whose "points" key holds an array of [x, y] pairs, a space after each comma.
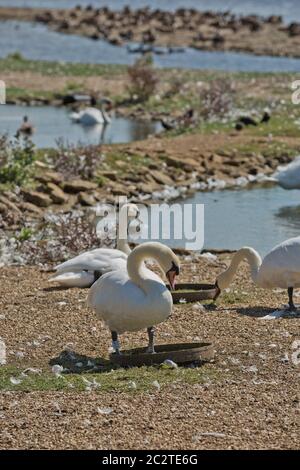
{"points": [[101, 259], [281, 267], [74, 279]]}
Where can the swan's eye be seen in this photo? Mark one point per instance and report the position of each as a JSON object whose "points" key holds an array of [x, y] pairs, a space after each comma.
{"points": [[105, 228], [105, 213], [138, 229]]}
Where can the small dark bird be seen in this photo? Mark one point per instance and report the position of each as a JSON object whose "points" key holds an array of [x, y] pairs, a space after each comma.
{"points": [[189, 114], [239, 126], [266, 117], [168, 125], [26, 128], [247, 121]]}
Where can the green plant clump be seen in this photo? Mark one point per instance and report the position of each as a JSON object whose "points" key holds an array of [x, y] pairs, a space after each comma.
{"points": [[16, 160]]}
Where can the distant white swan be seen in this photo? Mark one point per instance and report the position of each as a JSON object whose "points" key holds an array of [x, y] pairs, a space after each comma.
{"points": [[92, 116], [86, 268], [288, 177], [135, 298], [280, 268]]}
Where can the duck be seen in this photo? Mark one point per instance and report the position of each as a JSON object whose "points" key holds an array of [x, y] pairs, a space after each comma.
{"points": [[83, 270], [288, 177], [135, 298], [280, 268], [27, 129], [92, 115]]}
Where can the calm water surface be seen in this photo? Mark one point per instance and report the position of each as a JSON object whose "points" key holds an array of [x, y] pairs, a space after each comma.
{"points": [[53, 124], [38, 43], [261, 218]]}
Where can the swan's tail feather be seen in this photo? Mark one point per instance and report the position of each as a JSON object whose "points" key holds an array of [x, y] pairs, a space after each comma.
{"points": [[74, 117], [74, 279]]}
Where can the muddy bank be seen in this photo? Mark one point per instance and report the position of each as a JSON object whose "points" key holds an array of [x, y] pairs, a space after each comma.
{"points": [[182, 28]]}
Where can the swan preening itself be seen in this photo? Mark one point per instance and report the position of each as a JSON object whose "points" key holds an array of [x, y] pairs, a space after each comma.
{"points": [[134, 298], [288, 177], [86, 268], [280, 268], [92, 116]]}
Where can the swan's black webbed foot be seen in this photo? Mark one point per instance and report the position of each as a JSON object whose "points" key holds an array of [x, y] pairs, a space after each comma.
{"points": [[115, 342], [151, 334]]}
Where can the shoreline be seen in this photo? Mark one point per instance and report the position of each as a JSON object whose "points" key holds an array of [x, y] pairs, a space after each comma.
{"points": [[183, 28]]}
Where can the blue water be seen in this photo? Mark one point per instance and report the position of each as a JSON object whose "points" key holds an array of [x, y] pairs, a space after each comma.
{"points": [[53, 124], [38, 43], [260, 217], [289, 9]]}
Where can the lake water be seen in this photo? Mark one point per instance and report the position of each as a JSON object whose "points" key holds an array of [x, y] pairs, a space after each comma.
{"points": [[53, 123], [36, 42], [260, 217], [289, 9]]}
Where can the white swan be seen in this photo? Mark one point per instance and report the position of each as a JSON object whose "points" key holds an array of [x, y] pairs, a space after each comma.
{"points": [[135, 298], [86, 268], [92, 116], [288, 177], [280, 268]]}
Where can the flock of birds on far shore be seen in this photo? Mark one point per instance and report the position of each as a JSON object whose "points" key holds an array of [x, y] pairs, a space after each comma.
{"points": [[128, 296]]}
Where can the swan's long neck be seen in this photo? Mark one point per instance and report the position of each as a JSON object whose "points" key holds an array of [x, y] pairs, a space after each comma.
{"points": [[122, 244], [136, 266], [254, 260], [106, 117], [122, 237]]}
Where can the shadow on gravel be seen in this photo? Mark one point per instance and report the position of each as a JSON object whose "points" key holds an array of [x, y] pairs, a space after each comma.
{"points": [[273, 313], [74, 362], [56, 288]]}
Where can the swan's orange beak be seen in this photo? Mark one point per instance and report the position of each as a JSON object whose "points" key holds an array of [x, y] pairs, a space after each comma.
{"points": [[171, 274]]}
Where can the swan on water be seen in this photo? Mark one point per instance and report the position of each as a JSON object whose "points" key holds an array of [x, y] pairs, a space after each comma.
{"points": [[288, 177], [86, 268], [280, 268], [91, 116], [134, 298]]}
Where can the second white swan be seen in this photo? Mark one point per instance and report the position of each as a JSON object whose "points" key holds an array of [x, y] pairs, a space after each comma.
{"points": [[280, 268], [86, 268]]}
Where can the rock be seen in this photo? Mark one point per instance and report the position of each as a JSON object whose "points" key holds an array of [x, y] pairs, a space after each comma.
{"points": [[115, 40], [10, 205], [111, 175], [78, 185], [274, 19], [161, 178], [119, 190], [50, 177], [121, 164], [147, 188], [27, 206], [188, 164], [294, 29], [57, 195], [3, 209], [37, 198], [86, 199]]}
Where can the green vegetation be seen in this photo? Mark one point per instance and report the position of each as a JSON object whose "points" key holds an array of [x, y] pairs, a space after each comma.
{"points": [[16, 63], [123, 380], [16, 161]]}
